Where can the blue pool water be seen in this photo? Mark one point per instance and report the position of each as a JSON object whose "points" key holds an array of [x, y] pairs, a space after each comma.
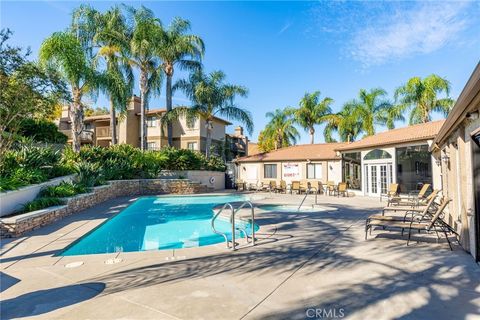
{"points": [[154, 223]]}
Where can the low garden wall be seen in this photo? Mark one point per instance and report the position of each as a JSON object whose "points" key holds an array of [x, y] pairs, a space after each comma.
{"points": [[202, 176], [11, 201], [15, 226]]}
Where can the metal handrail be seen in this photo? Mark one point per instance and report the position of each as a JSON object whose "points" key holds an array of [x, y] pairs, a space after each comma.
{"points": [[228, 204], [307, 192], [232, 221]]}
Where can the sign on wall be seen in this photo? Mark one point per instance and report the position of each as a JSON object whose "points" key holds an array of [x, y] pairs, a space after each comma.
{"points": [[291, 171]]}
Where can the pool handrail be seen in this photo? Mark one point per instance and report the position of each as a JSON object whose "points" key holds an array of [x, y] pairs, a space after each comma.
{"points": [[232, 221]]}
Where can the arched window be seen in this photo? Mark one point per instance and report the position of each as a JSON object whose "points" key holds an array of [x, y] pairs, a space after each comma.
{"points": [[377, 154]]}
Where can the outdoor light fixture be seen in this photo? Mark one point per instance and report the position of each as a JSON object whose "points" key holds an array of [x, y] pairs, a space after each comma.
{"points": [[445, 159]]}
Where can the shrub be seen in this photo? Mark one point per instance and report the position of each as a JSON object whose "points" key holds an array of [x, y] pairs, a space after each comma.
{"points": [[89, 174], [41, 203], [41, 131], [62, 190]]}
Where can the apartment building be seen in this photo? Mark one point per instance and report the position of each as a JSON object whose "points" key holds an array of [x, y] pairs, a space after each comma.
{"points": [[97, 130]]}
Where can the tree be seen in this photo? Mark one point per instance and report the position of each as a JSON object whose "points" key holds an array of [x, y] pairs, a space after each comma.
{"points": [[27, 91], [312, 112], [280, 129], [112, 38], [421, 96], [371, 108], [211, 97], [143, 48], [71, 53], [265, 144], [183, 50], [345, 123]]}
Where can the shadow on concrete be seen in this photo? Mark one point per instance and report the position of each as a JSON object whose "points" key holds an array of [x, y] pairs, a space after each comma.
{"points": [[6, 281], [44, 301]]}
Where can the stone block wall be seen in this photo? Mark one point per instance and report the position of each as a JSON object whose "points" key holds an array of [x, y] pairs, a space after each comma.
{"points": [[16, 225]]}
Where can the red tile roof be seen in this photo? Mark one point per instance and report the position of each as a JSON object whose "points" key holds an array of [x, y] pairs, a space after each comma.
{"points": [[417, 132], [320, 151]]}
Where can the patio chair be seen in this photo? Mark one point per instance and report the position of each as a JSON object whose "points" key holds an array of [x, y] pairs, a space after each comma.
{"points": [[282, 187], [422, 222], [320, 187], [418, 205], [401, 213], [413, 196], [270, 186], [296, 187], [240, 185], [330, 188], [391, 193], [341, 189]]}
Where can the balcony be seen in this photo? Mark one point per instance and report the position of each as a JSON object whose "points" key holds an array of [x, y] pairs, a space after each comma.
{"points": [[85, 137], [103, 132]]}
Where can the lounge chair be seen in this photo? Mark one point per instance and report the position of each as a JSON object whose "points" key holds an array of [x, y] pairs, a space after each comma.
{"points": [[391, 193], [341, 189], [417, 205], [413, 197], [402, 213], [282, 187], [296, 187], [421, 222]]}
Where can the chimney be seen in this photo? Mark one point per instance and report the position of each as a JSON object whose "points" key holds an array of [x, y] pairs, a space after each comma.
{"points": [[239, 131], [65, 112]]}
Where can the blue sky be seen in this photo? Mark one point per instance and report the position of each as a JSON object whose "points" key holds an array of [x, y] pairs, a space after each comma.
{"points": [[280, 50]]}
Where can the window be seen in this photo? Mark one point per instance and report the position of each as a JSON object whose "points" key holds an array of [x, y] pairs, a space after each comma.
{"points": [[377, 154], [270, 171], [414, 165], [152, 146], [192, 146], [151, 121], [314, 171]]}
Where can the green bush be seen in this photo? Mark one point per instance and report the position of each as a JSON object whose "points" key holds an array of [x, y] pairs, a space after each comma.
{"points": [[62, 190], [41, 203], [41, 131], [89, 174]]}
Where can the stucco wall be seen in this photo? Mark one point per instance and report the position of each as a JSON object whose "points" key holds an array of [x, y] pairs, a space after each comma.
{"points": [[14, 200]]}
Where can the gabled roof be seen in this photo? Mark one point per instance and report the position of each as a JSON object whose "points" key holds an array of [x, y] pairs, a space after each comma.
{"points": [[319, 151], [414, 133]]}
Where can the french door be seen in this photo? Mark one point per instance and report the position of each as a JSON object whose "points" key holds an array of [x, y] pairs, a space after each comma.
{"points": [[378, 178]]}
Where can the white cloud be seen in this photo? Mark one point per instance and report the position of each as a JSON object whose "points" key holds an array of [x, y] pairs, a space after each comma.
{"points": [[420, 30]]}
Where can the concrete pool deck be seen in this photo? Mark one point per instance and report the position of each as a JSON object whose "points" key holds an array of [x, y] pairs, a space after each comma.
{"points": [[305, 265]]}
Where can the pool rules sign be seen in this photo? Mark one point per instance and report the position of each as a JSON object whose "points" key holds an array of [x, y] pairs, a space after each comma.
{"points": [[291, 171]]}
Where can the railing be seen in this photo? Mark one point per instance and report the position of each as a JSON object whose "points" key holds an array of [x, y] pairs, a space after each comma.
{"points": [[307, 192], [85, 136], [103, 132], [232, 221]]}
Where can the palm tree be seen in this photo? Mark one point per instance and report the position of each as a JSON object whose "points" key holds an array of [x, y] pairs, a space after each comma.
{"points": [[70, 52], [422, 96], [347, 125], [281, 128], [143, 46], [370, 108], [211, 97], [112, 37], [312, 112], [183, 50]]}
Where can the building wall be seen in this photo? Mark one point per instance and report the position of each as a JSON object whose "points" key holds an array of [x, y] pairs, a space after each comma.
{"points": [[254, 172], [456, 157]]}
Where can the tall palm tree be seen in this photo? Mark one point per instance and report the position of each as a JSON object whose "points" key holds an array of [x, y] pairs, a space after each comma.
{"points": [[70, 52], [312, 112], [345, 123], [178, 49], [211, 97], [421, 95], [112, 37], [371, 108], [144, 41], [281, 128]]}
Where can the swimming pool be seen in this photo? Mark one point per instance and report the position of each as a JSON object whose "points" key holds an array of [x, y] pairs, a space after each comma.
{"points": [[156, 223]]}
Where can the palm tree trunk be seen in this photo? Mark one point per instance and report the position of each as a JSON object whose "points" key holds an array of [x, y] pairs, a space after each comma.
{"points": [[208, 143], [76, 117], [143, 122], [169, 107], [312, 135], [113, 122]]}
